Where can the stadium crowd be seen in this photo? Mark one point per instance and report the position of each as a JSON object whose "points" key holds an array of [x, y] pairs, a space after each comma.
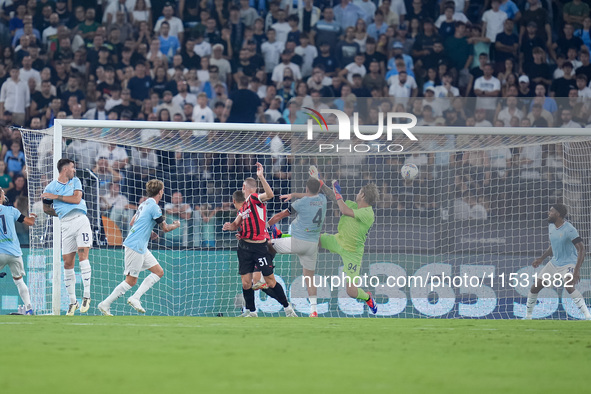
{"points": [[456, 63]]}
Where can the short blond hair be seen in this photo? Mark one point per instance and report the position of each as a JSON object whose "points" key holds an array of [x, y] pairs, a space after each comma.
{"points": [[153, 187], [251, 183], [370, 193]]}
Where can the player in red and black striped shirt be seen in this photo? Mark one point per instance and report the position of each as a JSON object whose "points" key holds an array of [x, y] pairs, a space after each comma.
{"points": [[251, 223]]}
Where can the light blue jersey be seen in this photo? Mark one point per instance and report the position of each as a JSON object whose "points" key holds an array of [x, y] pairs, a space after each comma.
{"points": [[67, 189], [563, 249], [145, 219], [9, 243], [311, 213]]}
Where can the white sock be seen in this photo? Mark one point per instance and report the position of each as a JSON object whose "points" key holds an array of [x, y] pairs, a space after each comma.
{"points": [[121, 289], [70, 282], [23, 290], [313, 303], [580, 303], [146, 285], [531, 303], [86, 273]]}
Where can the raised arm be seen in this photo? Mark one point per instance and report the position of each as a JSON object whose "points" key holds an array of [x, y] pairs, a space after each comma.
{"points": [[268, 194], [334, 194], [278, 217]]}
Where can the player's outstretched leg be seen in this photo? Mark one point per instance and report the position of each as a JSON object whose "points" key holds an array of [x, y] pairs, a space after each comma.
{"points": [[312, 292], [86, 274], [363, 296], [23, 291], [276, 291], [156, 273], [121, 289], [532, 298], [579, 302]]}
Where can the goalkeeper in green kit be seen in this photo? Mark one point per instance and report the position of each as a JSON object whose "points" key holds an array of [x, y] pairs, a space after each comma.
{"points": [[349, 243]]}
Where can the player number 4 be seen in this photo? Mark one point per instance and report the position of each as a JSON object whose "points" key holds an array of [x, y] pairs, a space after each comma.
{"points": [[318, 217]]}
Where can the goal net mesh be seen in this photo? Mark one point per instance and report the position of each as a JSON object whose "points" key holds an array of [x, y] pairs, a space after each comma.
{"points": [[477, 211]]}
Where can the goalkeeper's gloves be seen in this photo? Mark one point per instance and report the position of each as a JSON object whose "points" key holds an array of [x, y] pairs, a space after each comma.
{"points": [[336, 188], [313, 171]]}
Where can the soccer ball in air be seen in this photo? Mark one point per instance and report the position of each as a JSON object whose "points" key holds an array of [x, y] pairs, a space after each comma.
{"points": [[409, 171]]}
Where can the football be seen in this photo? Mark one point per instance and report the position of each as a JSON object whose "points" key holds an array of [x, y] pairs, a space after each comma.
{"points": [[409, 171]]}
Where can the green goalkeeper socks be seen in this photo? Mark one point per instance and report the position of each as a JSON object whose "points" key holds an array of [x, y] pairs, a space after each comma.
{"points": [[362, 295]]}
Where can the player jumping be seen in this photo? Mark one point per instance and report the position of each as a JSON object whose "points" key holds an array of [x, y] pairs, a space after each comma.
{"points": [[354, 224], [252, 248], [137, 256], [10, 248], [305, 233], [568, 251], [65, 194]]}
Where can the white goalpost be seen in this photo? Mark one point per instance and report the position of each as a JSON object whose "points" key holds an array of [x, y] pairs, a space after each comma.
{"points": [[468, 226]]}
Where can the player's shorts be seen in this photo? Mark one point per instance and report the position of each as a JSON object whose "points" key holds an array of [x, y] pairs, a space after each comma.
{"points": [[254, 255], [307, 251], [76, 233], [351, 260], [566, 273], [136, 262], [15, 263]]}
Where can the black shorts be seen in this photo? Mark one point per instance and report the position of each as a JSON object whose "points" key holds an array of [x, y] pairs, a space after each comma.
{"points": [[253, 257]]}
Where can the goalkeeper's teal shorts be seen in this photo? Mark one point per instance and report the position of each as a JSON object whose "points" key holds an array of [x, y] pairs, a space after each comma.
{"points": [[351, 260]]}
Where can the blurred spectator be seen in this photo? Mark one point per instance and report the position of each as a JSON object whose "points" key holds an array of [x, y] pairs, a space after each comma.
{"points": [[140, 84], [117, 207], [242, 105], [15, 97], [575, 12], [538, 71], [539, 16], [493, 21], [328, 29], [567, 119], [15, 159], [20, 189], [460, 52], [178, 210], [5, 179], [105, 173], [486, 88], [469, 207], [510, 111], [169, 44], [175, 24], [561, 86]]}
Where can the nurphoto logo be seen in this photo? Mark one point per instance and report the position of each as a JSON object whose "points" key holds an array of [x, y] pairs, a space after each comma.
{"points": [[344, 124]]}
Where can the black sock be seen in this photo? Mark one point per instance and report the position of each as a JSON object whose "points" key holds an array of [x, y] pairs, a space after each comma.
{"points": [[279, 295], [249, 299], [270, 292]]}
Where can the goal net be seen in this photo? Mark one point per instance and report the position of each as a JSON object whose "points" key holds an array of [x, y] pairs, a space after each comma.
{"points": [[457, 241]]}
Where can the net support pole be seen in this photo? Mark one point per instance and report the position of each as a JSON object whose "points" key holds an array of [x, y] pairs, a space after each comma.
{"points": [[57, 258]]}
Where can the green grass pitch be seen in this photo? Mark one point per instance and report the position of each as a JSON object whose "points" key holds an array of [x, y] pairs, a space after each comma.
{"points": [[140, 354]]}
